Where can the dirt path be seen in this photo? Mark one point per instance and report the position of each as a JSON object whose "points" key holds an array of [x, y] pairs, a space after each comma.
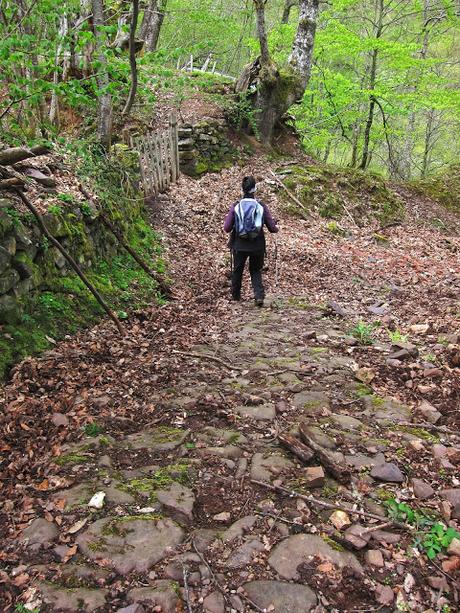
{"points": [[187, 412]]}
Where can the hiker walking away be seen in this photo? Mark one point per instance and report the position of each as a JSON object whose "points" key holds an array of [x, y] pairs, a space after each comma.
{"points": [[245, 220]]}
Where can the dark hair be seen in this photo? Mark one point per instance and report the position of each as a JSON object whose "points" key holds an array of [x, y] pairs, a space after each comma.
{"points": [[248, 185]]}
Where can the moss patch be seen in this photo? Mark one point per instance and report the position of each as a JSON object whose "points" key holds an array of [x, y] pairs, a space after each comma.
{"points": [[444, 188], [147, 487], [71, 458], [329, 189]]}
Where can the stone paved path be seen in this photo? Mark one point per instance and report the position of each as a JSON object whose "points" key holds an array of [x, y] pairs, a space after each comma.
{"points": [[181, 525]]}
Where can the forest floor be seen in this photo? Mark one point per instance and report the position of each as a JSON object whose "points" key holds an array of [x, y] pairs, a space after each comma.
{"points": [[181, 423]]}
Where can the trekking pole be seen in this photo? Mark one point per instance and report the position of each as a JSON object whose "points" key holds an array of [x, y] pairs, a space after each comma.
{"points": [[276, 262]]}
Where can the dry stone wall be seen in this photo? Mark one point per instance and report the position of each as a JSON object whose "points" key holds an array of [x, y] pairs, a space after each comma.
{"points": [[205, 146], [28, 263]]}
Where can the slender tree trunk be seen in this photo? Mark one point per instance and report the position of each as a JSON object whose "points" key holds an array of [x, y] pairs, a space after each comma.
{"points": [[427, 144], [151, 24], [132, 58], [372, 81], [54, 105], [289, 4], [104, 103]]}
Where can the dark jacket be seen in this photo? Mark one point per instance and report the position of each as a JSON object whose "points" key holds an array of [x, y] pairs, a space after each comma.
{"points": [[249, 244]]}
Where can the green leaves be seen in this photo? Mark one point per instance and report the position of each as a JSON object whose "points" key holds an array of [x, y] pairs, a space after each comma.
{"points": [[438, 539]]}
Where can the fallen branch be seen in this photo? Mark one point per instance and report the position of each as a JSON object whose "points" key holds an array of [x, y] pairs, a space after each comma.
{"points": [[328, 505], [292, 443], [207, 357], [290, 194], [70, 259], [164, 287], [333, 461], [428, 426], [17, 154]]}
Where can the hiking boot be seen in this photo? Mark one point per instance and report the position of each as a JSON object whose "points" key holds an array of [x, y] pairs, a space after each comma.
{"points": [[259, 302]]}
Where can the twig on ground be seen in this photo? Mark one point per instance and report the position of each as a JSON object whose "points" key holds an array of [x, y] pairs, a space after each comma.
{"points": [[290, 194], [427, 426], [278, 518], [387, 524], [328, 505], [186, 590], [208, 357], [211, 572]]}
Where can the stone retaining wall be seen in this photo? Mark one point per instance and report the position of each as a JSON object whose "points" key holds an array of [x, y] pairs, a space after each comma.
{"points": [[204, 146], [28, 262]]}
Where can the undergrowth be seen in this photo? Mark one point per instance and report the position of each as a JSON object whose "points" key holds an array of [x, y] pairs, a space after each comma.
{"points": [[64, 305]]}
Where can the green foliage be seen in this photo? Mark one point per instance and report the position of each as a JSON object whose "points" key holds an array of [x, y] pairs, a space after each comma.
{"points": [[20, 608], [364, 333], [438, 539], [93, 429], [397, 337], [432, 537]]}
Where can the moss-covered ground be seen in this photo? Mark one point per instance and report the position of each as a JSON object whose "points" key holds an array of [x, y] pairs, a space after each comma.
{"points": [[337, 192]]}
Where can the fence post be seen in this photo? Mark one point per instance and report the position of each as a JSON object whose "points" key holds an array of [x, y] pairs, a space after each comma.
{"points": [[174, 146]]}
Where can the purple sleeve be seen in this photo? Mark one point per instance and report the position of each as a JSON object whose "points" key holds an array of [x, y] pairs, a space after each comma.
{"points": [[268, 220], [230, 219]]}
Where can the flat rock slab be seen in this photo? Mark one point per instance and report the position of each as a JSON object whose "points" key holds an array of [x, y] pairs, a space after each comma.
{"points": [[158, 439], [40, 532], [242, 556], [386, 409], [219, 436], [237, 529], [321, 438], [387, 472], [81, 494], [162, 594], [261, 412], [298, 549], [177, 501], [452, 495], [130, 544], [346, 422], [359, 460], [284, 597], [310, 403], [268, 467], [231, 452], [76, 599]]}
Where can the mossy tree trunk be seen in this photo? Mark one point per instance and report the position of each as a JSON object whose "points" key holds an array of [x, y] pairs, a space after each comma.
{"points": [[278, 88]]}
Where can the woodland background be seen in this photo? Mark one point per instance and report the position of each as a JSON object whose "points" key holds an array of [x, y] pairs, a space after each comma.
{"points": [[384, 71]]}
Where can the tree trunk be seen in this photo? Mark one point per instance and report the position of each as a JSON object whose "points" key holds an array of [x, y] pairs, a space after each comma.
{"points": [[151, 24], [104, 102], [372, 81], [54, 105], [287, 10], [132, 58], [277, 90]]}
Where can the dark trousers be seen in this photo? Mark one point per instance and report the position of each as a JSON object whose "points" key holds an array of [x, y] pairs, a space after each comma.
{"points": [[256, 263]]}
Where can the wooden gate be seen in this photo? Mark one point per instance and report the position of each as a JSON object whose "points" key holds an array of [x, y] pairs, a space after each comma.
{"points": [[159, 158]]}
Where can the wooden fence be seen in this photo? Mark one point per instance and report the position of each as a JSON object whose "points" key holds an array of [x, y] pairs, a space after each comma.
{"points": [[159, 158]]}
